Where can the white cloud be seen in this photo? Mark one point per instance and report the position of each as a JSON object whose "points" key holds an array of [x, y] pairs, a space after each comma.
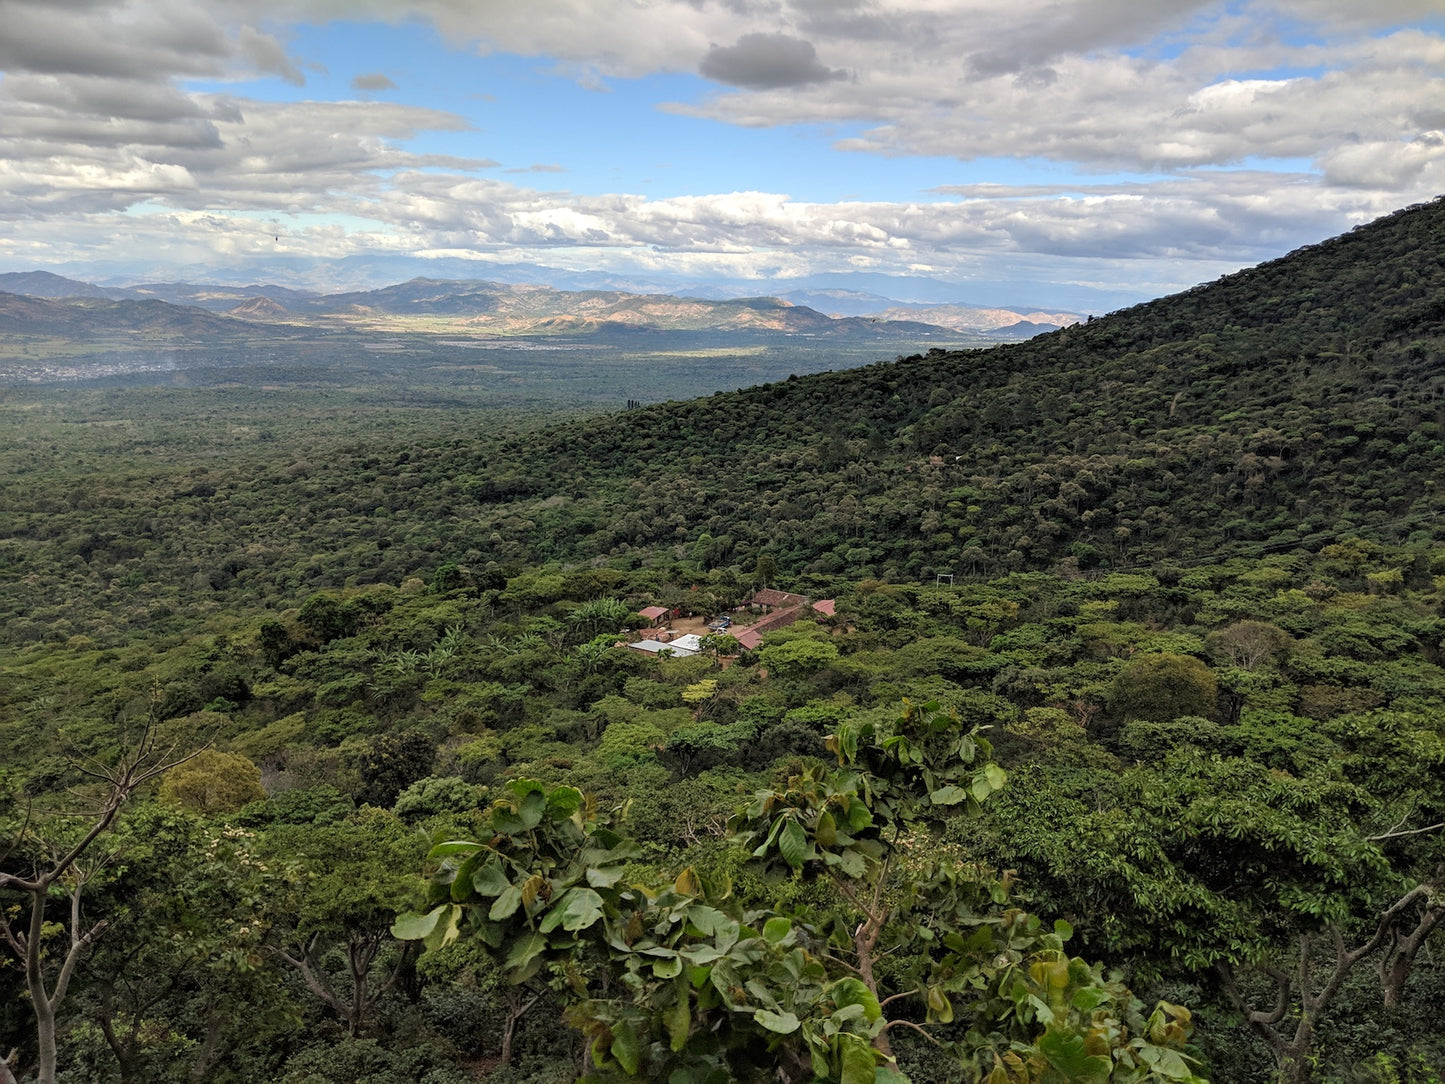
{"points": [[98, 120], [1118, 112], [1378, 164]]}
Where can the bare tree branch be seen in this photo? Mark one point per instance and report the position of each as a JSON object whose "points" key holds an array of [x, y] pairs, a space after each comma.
{"points": [[1392, 834], [916, 1027]]}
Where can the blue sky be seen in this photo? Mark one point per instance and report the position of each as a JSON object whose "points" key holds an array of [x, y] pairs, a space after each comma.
{"points": [[612, 134], [1084, 154]]}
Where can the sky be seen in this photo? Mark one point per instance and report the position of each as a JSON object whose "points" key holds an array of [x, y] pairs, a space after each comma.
{"points": [[1062, 153]]}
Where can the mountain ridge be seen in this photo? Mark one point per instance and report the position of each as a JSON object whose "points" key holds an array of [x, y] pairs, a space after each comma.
{"points": [[1253, 411], [481, 297]]}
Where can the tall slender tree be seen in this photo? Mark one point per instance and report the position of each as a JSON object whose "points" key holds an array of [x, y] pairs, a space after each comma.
{"points": [[61, 868]]}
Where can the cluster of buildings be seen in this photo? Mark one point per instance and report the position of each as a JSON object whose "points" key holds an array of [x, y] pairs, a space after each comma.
{"points": [[779, 609]]}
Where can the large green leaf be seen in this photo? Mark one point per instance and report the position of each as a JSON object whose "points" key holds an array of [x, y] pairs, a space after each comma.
{"points": [[410, 926], [776, 930], [708, 921], [725, 980], [578, 909], [491, 879], [851, 991], [1167, 1063], [603, 878], [626, 1047], [534, 808], [447, 930], [688, 883], [523, 951], [940, 1006], [784, 1023], [701, 955], [1068, 1054], [506, 904], [679, 1019], [826, 831], [462, 884], [980, 787], [853, 863], [564, 801], [857, 1061], [793, 844], [859, 816]]}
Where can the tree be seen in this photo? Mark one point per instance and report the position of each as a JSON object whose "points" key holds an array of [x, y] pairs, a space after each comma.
{"points": [[392, 762], [598, 616], [721, 643], [349, 880], [213, 782], [179, 982], [1248, 644], [68, 867], [684, 982], [1163, 687], [1302, 994], [797, 658], [1221, 868], [765, 570]]}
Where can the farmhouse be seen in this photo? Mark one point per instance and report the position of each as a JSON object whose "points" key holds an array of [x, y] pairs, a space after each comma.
{"points": [[683, 647], [655, 616], [750, 638]]}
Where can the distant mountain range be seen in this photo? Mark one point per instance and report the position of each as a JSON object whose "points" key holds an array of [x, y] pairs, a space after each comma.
{"points": [[496, 308], [375, 270]]}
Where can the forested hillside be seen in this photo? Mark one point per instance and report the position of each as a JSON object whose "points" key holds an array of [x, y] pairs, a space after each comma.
{"points": [[1108, 746], [1263, 410]]}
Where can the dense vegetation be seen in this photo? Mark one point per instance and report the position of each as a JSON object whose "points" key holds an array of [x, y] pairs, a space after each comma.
{"points": [[1197, 599]]}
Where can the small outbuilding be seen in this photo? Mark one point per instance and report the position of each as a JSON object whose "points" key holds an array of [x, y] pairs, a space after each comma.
{"points": [[681, 648], [656, 616]]}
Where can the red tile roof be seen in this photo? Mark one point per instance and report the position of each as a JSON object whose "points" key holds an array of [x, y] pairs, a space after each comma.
{"points": [[774, 599]]}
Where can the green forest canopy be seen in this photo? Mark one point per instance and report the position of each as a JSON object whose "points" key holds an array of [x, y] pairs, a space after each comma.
{"points": [[1197, 595]]}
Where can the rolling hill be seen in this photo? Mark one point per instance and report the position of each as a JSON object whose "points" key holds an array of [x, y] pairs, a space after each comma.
{"points": [[90, 318], [1277, 408], [1271, 408]]}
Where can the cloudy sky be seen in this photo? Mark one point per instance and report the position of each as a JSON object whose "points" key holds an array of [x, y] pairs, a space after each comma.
{"points": [[1064, 152]]}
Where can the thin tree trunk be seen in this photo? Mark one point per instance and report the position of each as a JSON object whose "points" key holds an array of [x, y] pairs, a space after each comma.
{"points": [[45, 1002], [1399, 960], [360, 955], [125, 1052], [865, 940], [515, 1012], [207, 1056]]}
